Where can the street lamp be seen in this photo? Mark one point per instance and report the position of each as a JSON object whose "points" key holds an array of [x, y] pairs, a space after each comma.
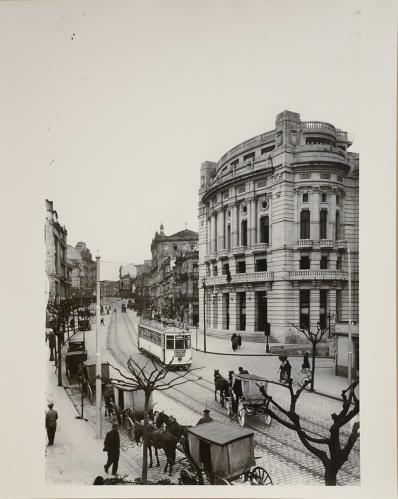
{"points": [[267, 332], [98, 356]]}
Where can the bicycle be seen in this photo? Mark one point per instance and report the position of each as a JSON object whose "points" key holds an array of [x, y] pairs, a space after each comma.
{"points": [[305, 381]]}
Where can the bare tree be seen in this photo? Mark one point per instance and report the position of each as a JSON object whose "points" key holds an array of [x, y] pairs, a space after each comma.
{"points": [[338, 453], [314, 338], [149, 380]]}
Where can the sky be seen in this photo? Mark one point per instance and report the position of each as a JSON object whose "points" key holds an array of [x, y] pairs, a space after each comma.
{"points": [[131, 97]]}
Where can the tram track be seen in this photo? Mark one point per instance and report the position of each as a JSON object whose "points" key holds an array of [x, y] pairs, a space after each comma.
{"points": [[296, 454]]}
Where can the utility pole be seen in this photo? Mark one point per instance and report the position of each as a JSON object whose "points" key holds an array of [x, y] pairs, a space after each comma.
{"points": [[98, 397], [204, 312], [349, 319]]}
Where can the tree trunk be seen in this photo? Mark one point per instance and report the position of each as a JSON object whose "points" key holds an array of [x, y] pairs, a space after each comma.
{"points": [[330, 476], [59, 359], [313, 366], [144, 472]]}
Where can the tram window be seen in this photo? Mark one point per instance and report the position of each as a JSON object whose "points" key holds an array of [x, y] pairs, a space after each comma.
{"points": [[170, 342], [179, 343], [187, 342]]}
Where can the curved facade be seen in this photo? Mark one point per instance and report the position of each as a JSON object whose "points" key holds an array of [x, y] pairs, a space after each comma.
{"points": [[277, 211]]}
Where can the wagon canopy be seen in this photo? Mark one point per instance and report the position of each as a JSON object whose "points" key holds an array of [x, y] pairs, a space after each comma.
{"points": [[231, 447], [250, 389]]}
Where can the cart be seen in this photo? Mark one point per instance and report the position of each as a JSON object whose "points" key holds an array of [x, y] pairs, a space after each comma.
{"points": [[130, 407], [225, 453], [76, 355], [251, 402]]}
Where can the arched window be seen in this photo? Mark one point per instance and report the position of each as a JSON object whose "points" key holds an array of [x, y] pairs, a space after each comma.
{"points": [[323, 224], [244, 233], [264, 229], [338, 226], [228, 245], [305, 224]]}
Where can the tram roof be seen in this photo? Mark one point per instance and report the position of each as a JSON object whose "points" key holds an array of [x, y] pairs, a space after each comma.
{"points": [[162, 328]]}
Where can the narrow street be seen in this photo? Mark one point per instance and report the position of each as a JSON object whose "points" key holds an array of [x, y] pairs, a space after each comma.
{"points": [[187, 402]]}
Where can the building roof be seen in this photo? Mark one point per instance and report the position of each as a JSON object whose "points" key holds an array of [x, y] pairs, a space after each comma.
{"points": [[182, 234], [219, 433]]}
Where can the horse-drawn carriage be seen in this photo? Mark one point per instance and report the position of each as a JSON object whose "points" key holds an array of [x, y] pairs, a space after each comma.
{"points": [[76, 355], [246, 399], [225, 453]]}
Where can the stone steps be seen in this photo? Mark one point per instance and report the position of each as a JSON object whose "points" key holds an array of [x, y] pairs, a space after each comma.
{"points": [[256, 337]]}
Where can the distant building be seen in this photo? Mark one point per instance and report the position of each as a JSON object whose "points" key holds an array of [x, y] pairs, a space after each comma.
{"points": [[127, 275], [109, 289], [55, 236], [278, 212], [173, 272], [83, 270]]}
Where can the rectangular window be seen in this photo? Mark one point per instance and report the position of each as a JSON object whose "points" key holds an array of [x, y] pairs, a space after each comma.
{"points": [[323, 224], [248, 156], [339, 262], [261, 265], [305, 262], [339, 305], [337, 199], [264, 150], [304, 308], [240, 267], [305, 197], [179, 343], [324, 197], [324, 262], [215, 269], [244, 233], [170, 342], [234, 163], [175, 247], [323, 308], [225, 268], [305, 224], [187, 342], [264, 229]]}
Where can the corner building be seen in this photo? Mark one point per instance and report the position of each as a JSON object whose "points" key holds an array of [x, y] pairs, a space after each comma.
{"points": [[278, 212]]}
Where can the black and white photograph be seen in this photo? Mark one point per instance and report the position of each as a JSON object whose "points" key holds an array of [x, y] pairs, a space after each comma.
{"points": [[208, 262]]}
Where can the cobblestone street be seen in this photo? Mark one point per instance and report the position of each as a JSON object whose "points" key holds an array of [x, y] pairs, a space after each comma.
{"points": [[277, 449]]}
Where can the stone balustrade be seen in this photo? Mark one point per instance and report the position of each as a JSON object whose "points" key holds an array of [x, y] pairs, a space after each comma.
{"points": [[241, 278], [307, 275]]}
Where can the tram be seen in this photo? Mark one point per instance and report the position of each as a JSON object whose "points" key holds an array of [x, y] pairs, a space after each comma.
{"points": [[165, 341]]}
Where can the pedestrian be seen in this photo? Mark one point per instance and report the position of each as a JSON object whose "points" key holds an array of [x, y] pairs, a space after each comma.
{"points": [[51, 422], [235, 343], [102, 322], [51, 344], [239, 340], [107, 311], [112, 447], [306, 365], [205, 418], [242, 371]]}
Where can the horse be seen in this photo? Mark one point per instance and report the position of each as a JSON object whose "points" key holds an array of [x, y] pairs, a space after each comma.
{"points": [[158, 439], [220, 385], [171, 424]]}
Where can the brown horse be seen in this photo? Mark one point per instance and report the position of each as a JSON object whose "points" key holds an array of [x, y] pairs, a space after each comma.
{"points": [[158, 439], [220, 385]]}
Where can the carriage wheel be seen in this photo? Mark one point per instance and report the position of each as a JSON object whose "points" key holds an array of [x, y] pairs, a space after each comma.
{"points": [[218, 480], [258, 476], [267, 419], [90, 394], [241, 414], [128, 426]]}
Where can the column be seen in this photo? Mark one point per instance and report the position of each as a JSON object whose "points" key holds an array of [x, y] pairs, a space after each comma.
{"points": [[253, 220], [314, 307], [314, 234], [250, 311], [208, 235], [221, 230], [234, 226], [213, 233], [249, 225], [221, 311], [332, 217], [332, 302], [214, 310], [233, 311]]}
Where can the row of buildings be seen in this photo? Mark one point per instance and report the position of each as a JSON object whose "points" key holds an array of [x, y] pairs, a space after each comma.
{"points": [[70, 271]]}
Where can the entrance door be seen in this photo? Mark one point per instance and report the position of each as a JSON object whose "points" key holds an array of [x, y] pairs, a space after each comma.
{"points": [[262, 311], [227, 308], [242, 311]]}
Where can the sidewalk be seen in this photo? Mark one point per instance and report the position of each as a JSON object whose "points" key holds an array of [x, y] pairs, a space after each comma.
{"points": [[77, 456]]}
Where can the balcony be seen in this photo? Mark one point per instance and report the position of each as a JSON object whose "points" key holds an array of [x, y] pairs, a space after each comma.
{"points": [[241, 278], [326, 243], [224, 253], [239, 250], [309, 275], [305, 243], [341, 244], [258, 247]]}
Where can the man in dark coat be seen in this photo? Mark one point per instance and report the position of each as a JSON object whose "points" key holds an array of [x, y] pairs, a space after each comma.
{"points": [[51, 344], [112, 447], [51, 423], [205, 418]]}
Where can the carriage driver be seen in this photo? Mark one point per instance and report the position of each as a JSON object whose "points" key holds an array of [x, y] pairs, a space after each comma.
{"points": [[206, 417]]}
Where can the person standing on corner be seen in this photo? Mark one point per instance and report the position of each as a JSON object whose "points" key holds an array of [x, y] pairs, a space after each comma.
{"points": [[112, 447], [51, 422]]}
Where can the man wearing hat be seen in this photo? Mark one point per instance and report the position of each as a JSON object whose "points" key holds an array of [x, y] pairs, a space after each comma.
{"points": [[51, 422], [205, 418], [112, 447]]}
